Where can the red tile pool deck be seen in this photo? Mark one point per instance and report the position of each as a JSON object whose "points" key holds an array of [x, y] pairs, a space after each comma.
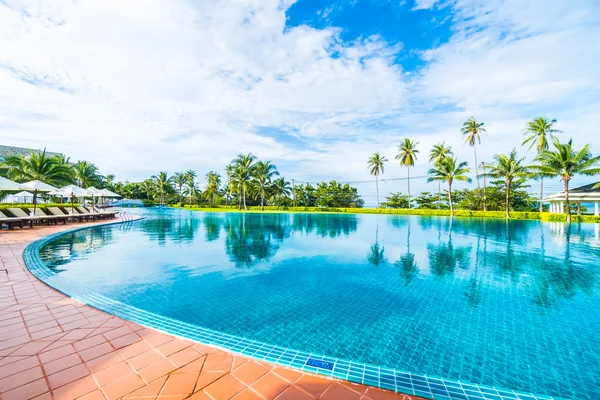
{"points": [[54, 347]]}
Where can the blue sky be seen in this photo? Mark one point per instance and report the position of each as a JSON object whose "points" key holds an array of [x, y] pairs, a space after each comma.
{"points": [[314, 86]]}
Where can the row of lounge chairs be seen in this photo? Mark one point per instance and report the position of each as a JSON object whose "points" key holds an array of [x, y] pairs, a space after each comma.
{"points": [[54, 216]]}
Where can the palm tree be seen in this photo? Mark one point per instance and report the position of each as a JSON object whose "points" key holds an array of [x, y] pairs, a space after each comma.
{"points": [[472, 131], [449, 170], [280, 190], [161, 185], [179, 180], [407, 155], [376, 168], [264, 171], [566, 162], [86, 174], [508, 167], [436, 155], [540, 131], [243, 168], [213, 183], [190, 183], [39, 166]]}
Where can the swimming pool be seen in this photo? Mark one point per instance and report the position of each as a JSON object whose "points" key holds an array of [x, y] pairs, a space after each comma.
{"points": [[514, 305]]}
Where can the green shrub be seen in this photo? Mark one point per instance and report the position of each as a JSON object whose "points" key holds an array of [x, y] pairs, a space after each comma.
{"points": [[44, 207], [551, 217]]}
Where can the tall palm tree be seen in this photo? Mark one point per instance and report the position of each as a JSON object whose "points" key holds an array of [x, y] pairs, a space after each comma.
{"points": [[190, 183], [87, 174], [436, 155], [280, 190], [242, 174], [161, 185], [450, 170], [540, 132], [566, 162], [264, 171], [472, 131], [376, 167], [179, 180], [407, 155], [213, 181], [508, 167], [39, 166]]}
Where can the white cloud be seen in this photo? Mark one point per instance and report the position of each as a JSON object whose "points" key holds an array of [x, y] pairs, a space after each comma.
{"points": [[142, 86]]}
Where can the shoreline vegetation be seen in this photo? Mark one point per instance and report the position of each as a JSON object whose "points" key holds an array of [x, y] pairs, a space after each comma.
{"points": [[514, 215]]}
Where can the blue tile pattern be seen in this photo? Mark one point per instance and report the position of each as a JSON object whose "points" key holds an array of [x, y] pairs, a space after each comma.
{"points": [[428, 387]]}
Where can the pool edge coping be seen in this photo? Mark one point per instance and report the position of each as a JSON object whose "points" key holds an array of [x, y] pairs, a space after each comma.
{"points": [[403, 382]]}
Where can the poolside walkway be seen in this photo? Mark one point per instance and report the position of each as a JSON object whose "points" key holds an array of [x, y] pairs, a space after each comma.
{"points": [[53, 347]]}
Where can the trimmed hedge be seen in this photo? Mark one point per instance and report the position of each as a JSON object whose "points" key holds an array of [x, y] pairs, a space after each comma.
{"points": [[549, 217], [44, 207]]}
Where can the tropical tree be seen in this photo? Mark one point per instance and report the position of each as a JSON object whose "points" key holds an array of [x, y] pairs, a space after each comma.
{"points": [[161, 185], [449, 170], [179, 180], [39, 166], [191, 185], [376, 167], [472, 131], [213, 181], [241, 174], [407, 155], [280, 189], [566, 162], [508, 167], [540, 132], [436, 155], [87, 174], [264, 171]]}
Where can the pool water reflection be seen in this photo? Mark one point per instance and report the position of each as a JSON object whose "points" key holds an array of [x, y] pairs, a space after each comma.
{"points": [[512, 305]]}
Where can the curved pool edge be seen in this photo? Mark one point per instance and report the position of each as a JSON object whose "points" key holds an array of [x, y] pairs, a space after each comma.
{"points": [[370, 375]]}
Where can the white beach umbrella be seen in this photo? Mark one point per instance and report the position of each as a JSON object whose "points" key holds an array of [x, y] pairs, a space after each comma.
{"points": [[38, 186], [94, 192], [72, 191], [7, 185], [108, 193]]}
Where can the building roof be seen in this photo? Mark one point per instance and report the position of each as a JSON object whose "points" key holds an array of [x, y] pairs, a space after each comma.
{"points": [[586, 193]]}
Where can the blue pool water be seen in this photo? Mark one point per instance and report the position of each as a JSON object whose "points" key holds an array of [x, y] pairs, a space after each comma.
{"points": [[513, 305]]}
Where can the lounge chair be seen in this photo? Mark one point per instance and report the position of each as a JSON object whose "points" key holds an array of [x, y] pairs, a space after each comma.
{"points": [[107, 214], [17, 212], [11, 222], [50, 218], [86, 212], [57, 211]]}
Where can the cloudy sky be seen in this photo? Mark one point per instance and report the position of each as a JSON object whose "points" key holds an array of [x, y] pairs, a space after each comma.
{"points": [[316, 86]]}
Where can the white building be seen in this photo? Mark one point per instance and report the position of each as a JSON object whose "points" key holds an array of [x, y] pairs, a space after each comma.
{"points": [[584, 194]]}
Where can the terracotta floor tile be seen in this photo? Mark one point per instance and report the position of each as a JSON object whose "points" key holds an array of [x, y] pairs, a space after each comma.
{"points": [[58, 344], [123, 386], [118, 332], [31, 348], [184, 357], [378, 394], [18, 364], [179, 383], [61, 364], [224, 388], [77, 334], [194, 366], [15, 333], [250, 372], [76, 388], [288, 374], [95, 395], [10, 343], [67, 376], [143, 360], [89, 343], [20, 378], [134, 349], [114, 373], [159, 339], [238, 361], [293, 393], [206, 378], [105, 361], [202, 348], [27, 391], [151, 390], [94, 352], [45, 396], [270, 385], [172, 347], [218, 362], [124, 341], [341, 392], [156, 370], [62, 351], [354, 386], [313, 385], [247, 394]]}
